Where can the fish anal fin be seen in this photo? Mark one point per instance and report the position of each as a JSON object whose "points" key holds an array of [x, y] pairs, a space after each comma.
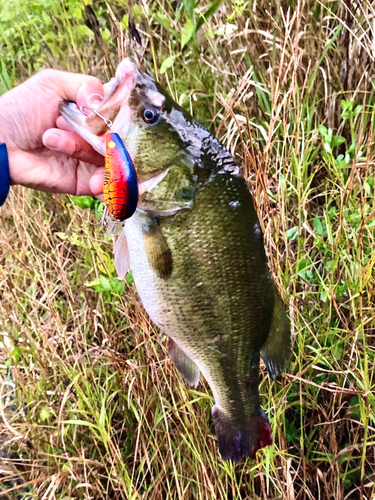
{"points": [[185, 365], [158, 252], [276, 350], [122, 258]]}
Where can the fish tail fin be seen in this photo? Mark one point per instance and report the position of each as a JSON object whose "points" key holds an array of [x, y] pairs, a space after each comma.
{"points": [[237, 440]]}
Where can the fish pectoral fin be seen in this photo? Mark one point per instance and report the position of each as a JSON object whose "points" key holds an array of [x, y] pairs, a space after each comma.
{"points": [[276, 350], [122, 258], [158, 253], [185, 365]]}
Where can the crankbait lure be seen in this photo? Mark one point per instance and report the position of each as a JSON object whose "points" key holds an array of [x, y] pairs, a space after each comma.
{"points": [[120, 178]]}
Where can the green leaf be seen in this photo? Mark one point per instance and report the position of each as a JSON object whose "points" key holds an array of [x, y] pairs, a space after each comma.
{"points": [[166, 64], [189, 8], [187, 32], [81, 422], [336, 140], [291, 431], [83, 201], [92, 283], [77, 13], [303, 269], [209, 12], [45, 413], [346, 105], [117, 286], [323, 131], [6, 80], [129, 278], [323, 55], [137, 12], [84, 30], [346, 115], [16, 354], [327, 147], [318, 226], [103, 414], [105, 282], [163, 20], [292, 233], [125, 22]]}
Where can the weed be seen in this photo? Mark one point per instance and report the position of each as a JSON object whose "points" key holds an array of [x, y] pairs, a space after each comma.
{"points": [[91, 405]]}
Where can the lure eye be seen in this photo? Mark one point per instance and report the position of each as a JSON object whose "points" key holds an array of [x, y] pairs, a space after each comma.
{"points": [[150, 115]]}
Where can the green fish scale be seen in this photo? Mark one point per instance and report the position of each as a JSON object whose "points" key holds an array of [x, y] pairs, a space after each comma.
{"points": [[217, 304]]}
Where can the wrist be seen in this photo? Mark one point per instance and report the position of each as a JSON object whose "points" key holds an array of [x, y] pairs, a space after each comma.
{"points": [[4, 173]]}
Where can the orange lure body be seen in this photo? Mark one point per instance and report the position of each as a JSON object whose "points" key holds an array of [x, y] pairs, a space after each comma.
{"points": [[120, 179]]}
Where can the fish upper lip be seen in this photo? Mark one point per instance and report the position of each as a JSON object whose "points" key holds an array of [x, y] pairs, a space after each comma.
{"points": [[117, 94]]}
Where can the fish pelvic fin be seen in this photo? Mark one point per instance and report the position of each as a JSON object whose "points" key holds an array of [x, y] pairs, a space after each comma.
{"points": [[122, 258], [185, 365], [237, 440], [276, 350]]}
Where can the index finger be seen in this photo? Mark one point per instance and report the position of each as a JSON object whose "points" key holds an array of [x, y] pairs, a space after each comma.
{"points": [[76, 87]]}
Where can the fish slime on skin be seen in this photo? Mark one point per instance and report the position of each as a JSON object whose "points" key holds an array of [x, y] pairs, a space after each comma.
{"points": [[120, 179]]}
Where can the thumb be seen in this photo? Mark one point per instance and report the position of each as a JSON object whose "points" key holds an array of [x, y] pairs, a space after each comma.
{"points": [[68, 85]]}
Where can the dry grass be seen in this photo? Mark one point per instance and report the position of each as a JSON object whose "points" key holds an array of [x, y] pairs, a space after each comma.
{"points": [[91, 406]]}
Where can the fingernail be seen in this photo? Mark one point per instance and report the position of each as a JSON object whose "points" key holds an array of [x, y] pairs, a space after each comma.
{"points": [[53, 141], [96, 101]]}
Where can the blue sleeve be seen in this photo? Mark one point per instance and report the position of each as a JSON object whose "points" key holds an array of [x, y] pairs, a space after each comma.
{"points": [[4, 174]]}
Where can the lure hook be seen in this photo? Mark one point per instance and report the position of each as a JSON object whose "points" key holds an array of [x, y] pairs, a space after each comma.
{"points": [[93, 110], [101, 222]]}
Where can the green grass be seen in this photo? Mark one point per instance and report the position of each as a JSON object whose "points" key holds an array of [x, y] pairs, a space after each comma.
{"points": [[91, 405]]}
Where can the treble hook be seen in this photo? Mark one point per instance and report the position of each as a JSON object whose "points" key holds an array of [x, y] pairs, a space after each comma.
{"points": [[101, 222], [93, 110]]}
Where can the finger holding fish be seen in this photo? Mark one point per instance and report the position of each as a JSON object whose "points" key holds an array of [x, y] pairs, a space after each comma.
{"points": [[70, 143], [64, 139]]}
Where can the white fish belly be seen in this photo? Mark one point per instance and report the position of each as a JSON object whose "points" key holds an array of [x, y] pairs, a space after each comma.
{"points": [[162, 309]]}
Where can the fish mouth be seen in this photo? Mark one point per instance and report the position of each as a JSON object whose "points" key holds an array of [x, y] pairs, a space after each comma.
{"points": [[76, 119], [113, 108]]}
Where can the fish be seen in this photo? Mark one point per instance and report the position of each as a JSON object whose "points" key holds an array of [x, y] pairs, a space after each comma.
{"points": [[196, 249]]}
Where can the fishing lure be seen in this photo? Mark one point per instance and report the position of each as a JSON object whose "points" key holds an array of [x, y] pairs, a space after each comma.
{"points": [[120, 178]]}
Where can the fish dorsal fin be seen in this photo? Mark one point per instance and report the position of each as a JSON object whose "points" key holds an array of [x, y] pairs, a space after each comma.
{"points": [[122, 259], [185, 365], [158, 252]]}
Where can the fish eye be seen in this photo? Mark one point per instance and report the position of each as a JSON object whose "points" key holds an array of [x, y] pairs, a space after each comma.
{"points": [[150, 115]]}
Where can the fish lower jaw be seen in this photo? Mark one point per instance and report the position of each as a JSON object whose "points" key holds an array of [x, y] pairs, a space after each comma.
{"points": [[76, 119]]}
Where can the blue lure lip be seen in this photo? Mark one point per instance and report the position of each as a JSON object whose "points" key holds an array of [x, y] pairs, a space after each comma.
{"points": [[120, 179]]}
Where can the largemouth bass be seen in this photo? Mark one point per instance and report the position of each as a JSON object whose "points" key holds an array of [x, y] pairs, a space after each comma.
{"points": [[196, 250]]}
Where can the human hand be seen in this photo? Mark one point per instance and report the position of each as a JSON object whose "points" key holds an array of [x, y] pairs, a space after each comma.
{"points": [[42, 156]]}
